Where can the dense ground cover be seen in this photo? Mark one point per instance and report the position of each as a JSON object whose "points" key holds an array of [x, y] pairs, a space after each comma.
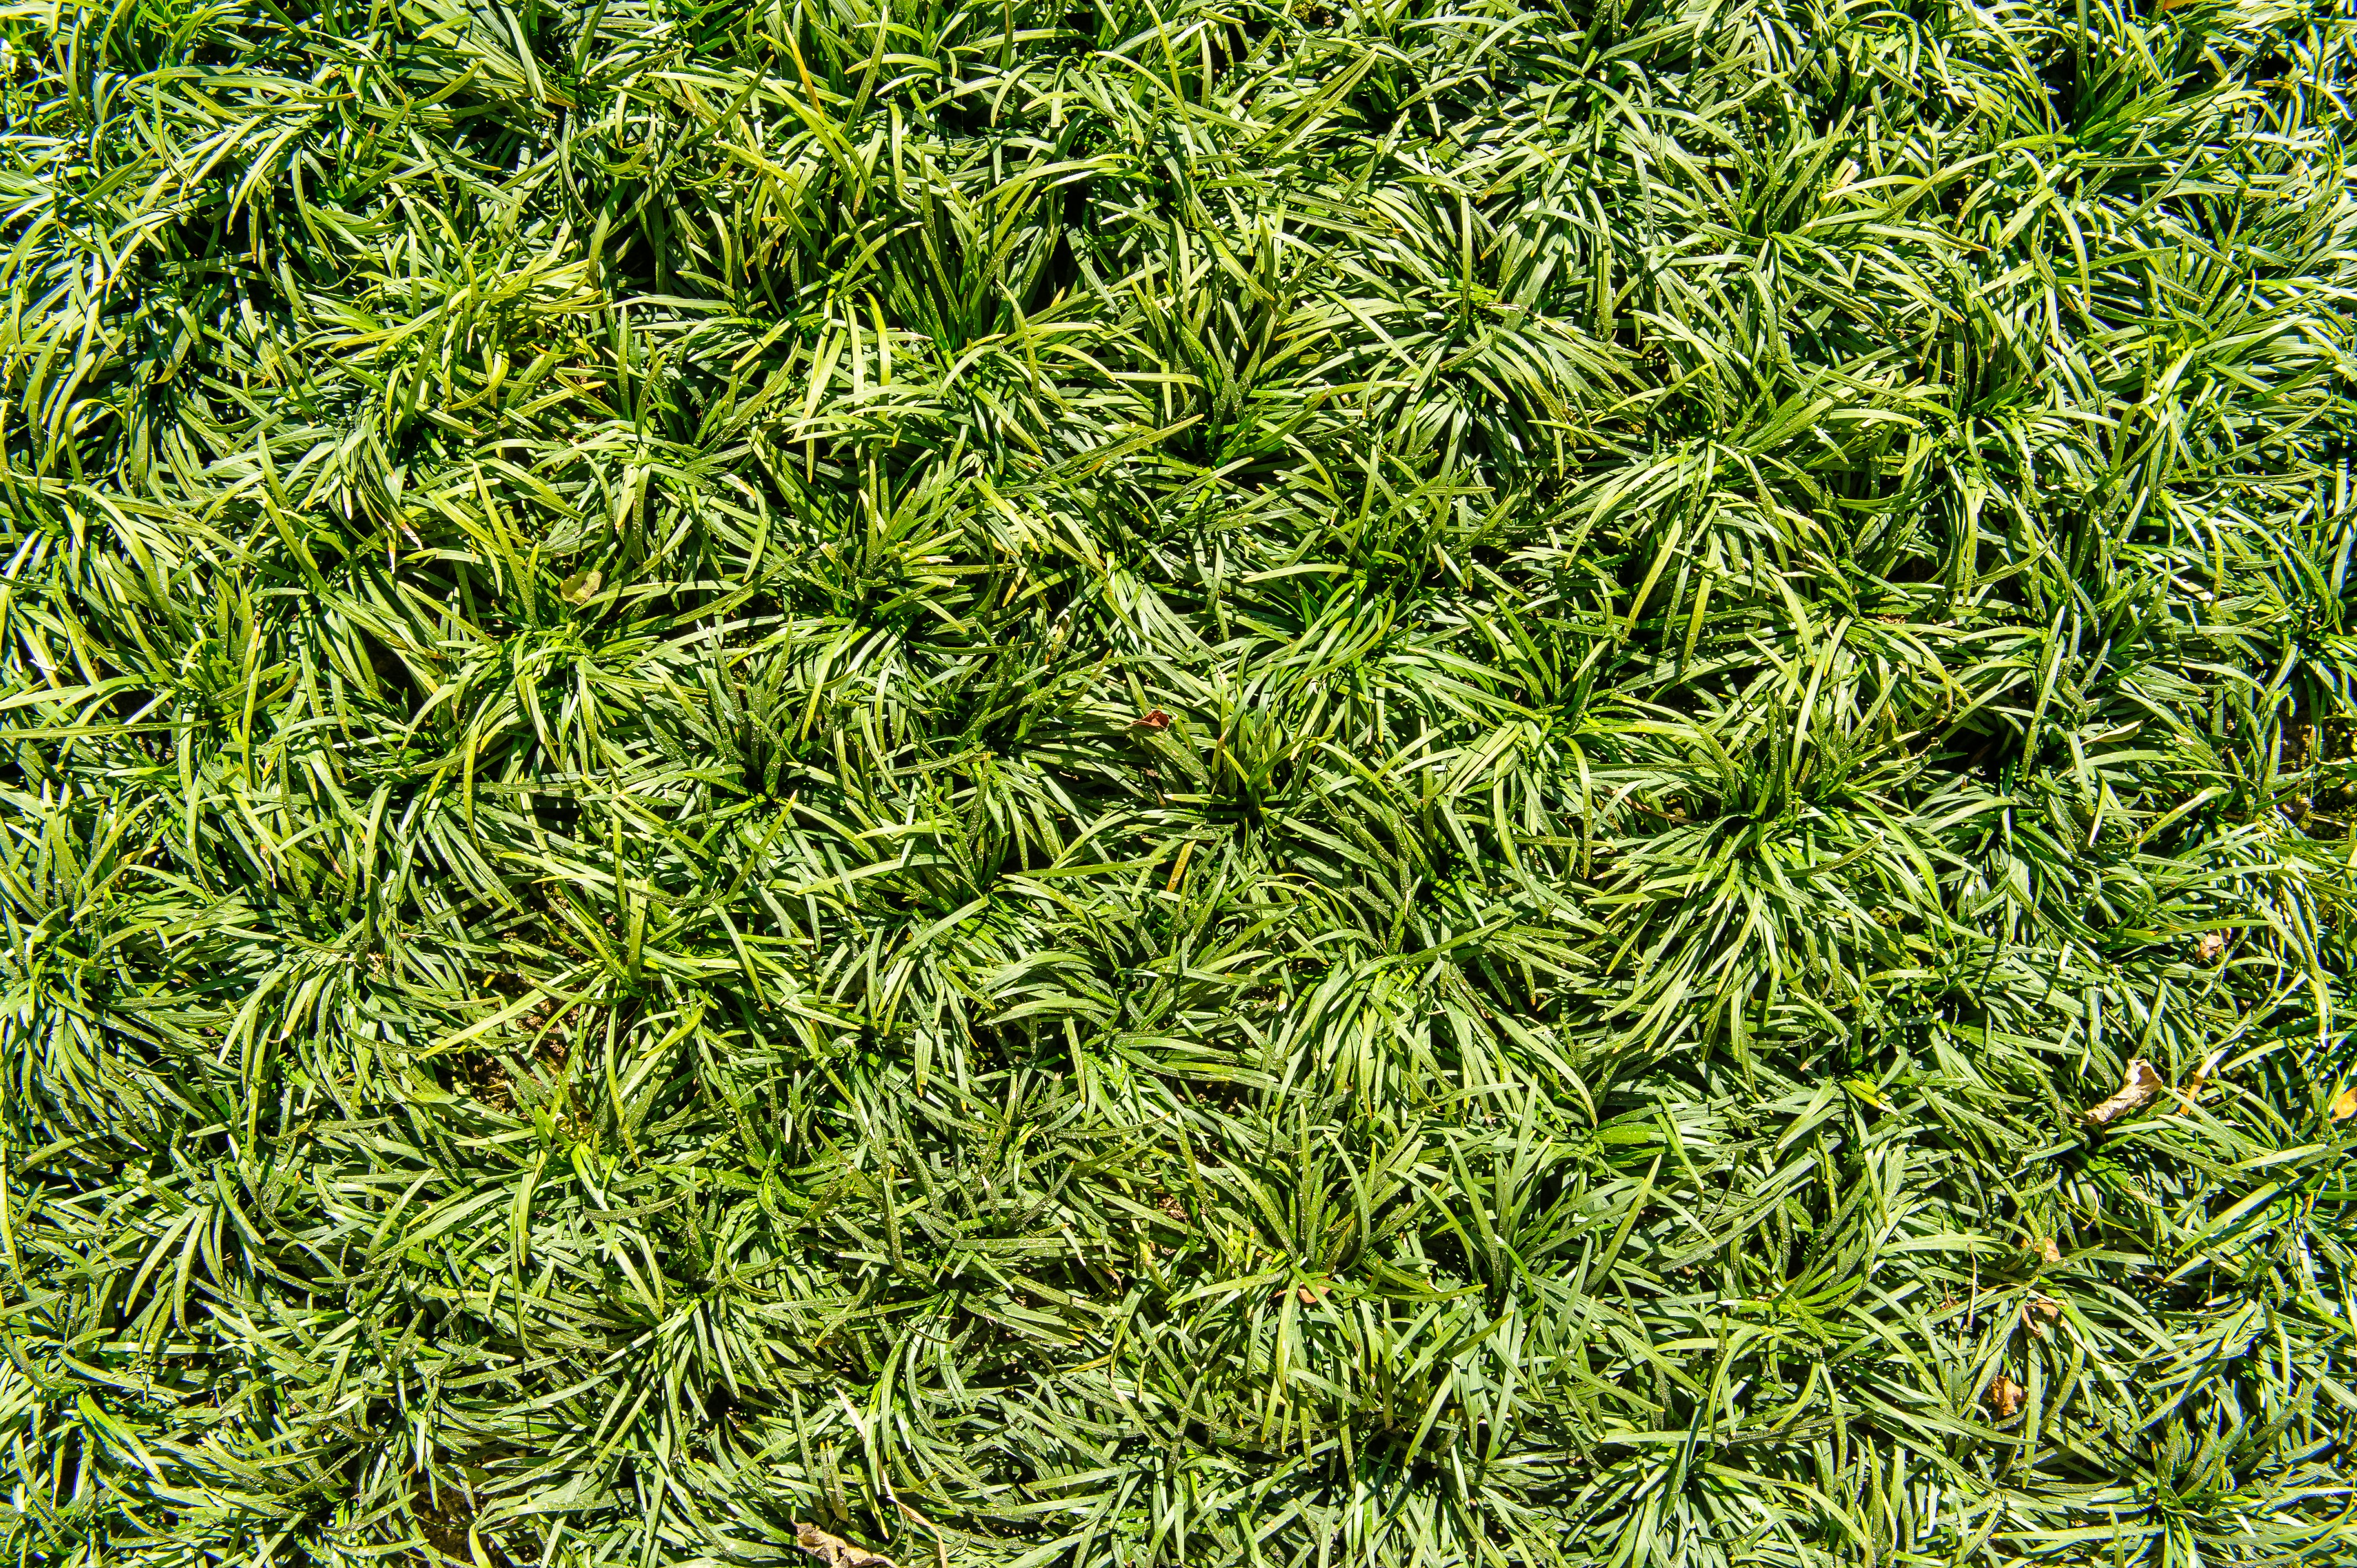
{"points": [[1085, 784]]}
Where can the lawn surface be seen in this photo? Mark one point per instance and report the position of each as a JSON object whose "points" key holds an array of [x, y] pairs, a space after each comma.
{"points": [[1392, 785]]}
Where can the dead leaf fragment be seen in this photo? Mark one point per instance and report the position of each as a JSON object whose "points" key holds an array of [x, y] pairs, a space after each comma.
{"points": [[2038, 1307], [835, 1552], [2049, 1252], [2140, 1085], [2005, 1396], [2345, 1106], [2202, 1075], [2209, 949], [1157, 719]]}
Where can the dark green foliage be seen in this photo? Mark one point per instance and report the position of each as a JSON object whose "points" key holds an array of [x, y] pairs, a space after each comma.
{"points": [[1103, 786]]}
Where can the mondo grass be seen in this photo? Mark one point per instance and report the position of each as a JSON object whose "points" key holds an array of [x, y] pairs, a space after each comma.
{"points": [[1103, 784]]}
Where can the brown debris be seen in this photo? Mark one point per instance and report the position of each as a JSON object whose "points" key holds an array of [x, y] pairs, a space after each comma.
{"points": [[2140, 1085], [2049, 1250], [2209, 949], [2202, 1075], [2004, 1397], [835, 1552], [1157, 719]]}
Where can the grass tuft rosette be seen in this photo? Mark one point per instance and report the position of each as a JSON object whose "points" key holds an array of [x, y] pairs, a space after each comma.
{"points": [[1036, 785]]}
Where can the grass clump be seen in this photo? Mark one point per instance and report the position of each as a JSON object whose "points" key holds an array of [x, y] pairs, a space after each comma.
{"points": [[1439, 783]]}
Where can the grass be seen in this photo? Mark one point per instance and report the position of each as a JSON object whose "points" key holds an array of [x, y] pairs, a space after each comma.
{"points": [[1121, 784]]}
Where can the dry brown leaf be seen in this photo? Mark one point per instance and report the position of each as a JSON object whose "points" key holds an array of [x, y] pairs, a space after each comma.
{"points": [[2005, 1396], [835, 1552], [2345, 1106], [2049, 1252], [2202, 1075], [2209, 949], [2038, 1307], [1157, 719], [2140, 1085]]}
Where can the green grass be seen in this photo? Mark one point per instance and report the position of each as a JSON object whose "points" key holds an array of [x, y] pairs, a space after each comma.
{"points": [[1357, 785]]}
